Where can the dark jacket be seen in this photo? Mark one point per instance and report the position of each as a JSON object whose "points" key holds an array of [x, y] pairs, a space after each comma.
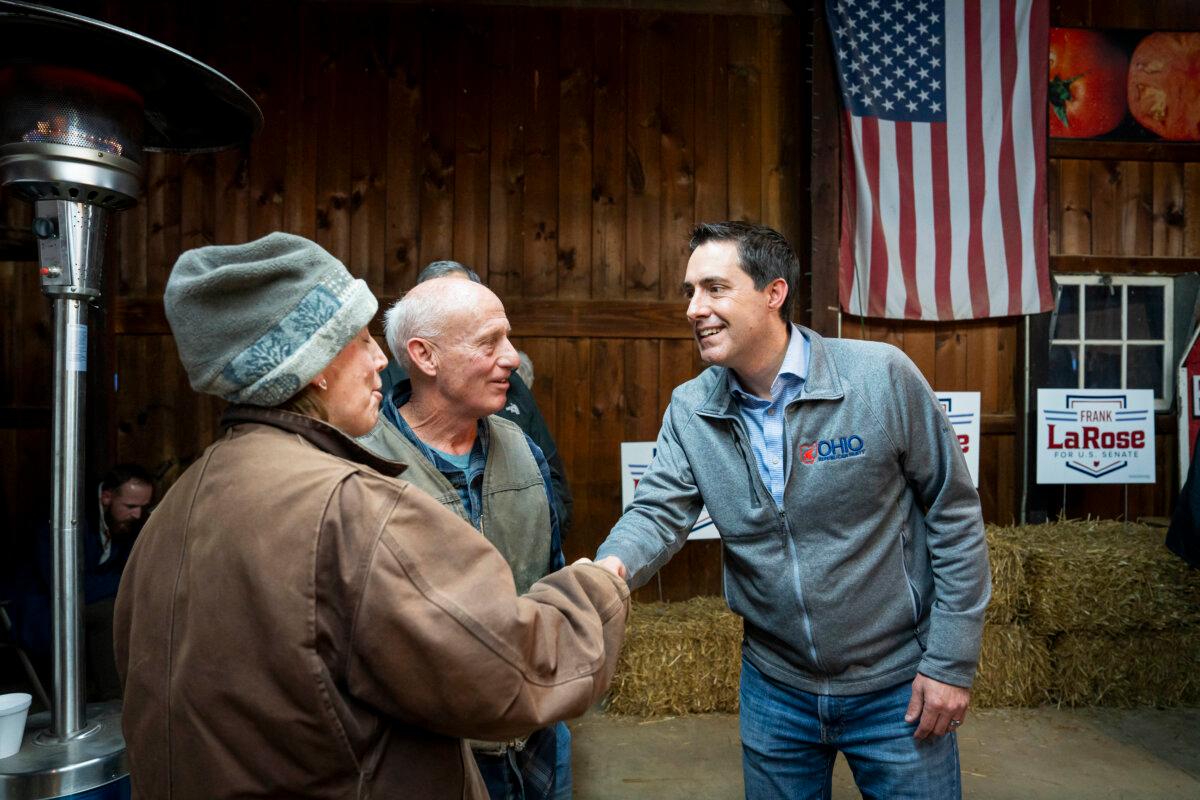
{"points": [[294, 622]]}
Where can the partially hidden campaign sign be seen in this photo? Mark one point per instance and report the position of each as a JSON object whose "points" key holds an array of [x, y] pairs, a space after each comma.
{"points": [[635, 460], [963, 410], [1095, 436]]}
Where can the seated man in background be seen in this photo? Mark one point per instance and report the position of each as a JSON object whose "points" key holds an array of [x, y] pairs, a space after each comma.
{"points": [[451, 337], [107, 535], [519, 405]]}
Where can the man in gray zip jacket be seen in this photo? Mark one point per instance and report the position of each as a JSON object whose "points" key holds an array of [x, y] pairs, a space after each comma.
{"points": [[853, 536]]}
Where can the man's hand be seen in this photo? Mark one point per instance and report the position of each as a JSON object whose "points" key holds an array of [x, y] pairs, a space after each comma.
{"points": [[940, 707], [613, 565]]}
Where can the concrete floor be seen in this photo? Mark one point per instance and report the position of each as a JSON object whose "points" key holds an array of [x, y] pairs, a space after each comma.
{"points": [[1097, 754]]}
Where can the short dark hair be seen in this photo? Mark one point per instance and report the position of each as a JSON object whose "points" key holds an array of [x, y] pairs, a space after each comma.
{"points": [[122, 474], [438, 269], [763, 254]]}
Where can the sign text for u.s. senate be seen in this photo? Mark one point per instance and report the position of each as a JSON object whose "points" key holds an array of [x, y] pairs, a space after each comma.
{"points": [[1095, 436]]}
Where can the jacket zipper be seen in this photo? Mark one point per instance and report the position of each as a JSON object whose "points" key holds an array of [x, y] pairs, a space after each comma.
{"points": [[751, 468], [755, 480]]}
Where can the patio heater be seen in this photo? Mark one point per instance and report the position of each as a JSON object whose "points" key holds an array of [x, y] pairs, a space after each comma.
{"points": [[80, 102]]}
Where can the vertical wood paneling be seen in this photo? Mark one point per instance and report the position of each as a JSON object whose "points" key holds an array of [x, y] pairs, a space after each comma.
{"points": [[678, 158], [608, 160], [573, 418], [745, 124], [1168, 209], [403, 141], [1076, 212], [540, 211], [1105, 182], [575, 155], [711, 120], [439, 32], [268, 152], [472, 160], [507, 162], [336, 86], [368, 202], [643, 166], [1191, 207]]}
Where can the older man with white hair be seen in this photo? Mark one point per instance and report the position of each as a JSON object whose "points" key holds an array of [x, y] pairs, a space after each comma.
{"points": [[451, 336]]}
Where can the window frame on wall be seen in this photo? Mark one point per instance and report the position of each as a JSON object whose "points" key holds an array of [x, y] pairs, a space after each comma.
{"points": [[1082, 341]]}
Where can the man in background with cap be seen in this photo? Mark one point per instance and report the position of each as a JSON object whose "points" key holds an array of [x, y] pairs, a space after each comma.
{"points": [[450, 336]]}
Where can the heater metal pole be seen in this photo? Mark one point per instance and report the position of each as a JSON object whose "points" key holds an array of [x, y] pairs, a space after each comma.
{"points": [[70, 365], [70, 240]]}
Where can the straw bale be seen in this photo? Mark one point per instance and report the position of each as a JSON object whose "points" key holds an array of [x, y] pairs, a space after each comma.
{"points": [[1103, 576], [1141, 669], [679, 658], [1014, 668], [1006, 555]]}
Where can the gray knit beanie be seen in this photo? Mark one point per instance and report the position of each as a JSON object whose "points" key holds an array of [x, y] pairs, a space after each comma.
{"points": [[255, 322]]}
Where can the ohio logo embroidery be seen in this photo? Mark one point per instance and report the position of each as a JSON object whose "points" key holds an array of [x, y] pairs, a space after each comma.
{"points": [[832, 449]]}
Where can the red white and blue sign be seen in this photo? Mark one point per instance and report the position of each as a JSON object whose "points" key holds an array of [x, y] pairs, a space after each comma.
{"points": [[635, 460], [962, 408], [1095, 436]]}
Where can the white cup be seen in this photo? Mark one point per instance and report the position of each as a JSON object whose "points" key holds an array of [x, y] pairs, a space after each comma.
{"points": [[13, 710]]}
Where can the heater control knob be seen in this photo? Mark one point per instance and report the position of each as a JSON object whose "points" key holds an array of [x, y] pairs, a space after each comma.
{"points": [[45, 228]]}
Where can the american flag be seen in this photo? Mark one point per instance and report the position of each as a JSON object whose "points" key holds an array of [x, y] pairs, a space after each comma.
{"points": [[944, 154]]}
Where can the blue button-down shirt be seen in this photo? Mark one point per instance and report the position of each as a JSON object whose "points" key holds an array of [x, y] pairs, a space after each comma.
{"points": [[764, 419]]}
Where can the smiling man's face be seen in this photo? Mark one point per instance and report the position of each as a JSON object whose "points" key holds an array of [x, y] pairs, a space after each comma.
{"points": [[728, 315]]}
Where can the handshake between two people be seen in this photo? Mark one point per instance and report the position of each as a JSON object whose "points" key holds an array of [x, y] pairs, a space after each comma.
{"points": [[610, 563]]}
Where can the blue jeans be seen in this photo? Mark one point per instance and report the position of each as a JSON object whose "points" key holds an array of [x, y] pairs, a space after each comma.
{"points": [[540, 771], [790, 739]]}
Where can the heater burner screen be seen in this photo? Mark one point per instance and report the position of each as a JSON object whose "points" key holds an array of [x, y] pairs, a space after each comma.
{"points": [[51, 105]]}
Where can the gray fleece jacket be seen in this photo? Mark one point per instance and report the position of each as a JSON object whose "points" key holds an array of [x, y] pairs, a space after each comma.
{"points": [[876, 567]]}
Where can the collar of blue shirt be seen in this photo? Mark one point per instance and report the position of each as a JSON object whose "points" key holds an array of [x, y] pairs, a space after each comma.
{"points": [[793, 370]]}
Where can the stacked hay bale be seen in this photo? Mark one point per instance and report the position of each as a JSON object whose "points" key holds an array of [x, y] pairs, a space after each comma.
{"points": [[1014, 664], [1082, 613], [679, 658], [1121, 615]]}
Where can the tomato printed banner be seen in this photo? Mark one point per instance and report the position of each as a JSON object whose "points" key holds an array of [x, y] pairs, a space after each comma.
{"points": [[962, 408], [1095, 436], [635, 460], [1124, 85]]}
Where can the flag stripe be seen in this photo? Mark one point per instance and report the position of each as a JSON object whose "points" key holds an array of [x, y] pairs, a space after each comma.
{"points": [[925, 243], [942, 235], [992, 126], [958, 166], [1039, 44], [846, 297], [1009, 212], [973, 81], [877, 266], [908, 304]]}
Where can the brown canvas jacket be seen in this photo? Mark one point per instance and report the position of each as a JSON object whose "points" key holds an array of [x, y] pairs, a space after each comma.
{"points": [[295, 622]]}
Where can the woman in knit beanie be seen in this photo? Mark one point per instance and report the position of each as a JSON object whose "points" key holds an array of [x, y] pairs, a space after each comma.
{"points": [[296, 622]]}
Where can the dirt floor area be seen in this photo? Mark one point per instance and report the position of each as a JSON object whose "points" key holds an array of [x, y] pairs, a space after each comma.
{"points": [[1097, 754]]}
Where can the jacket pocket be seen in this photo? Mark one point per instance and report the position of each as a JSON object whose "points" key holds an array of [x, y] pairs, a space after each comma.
{"points": [[914, 594]]}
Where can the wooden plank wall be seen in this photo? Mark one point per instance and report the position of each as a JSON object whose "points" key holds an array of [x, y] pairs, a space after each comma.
{"points": [[564, 154], [1096, 207]]}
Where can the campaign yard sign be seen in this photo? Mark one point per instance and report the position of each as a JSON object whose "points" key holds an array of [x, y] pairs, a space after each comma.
{"points": [[1095, 436], [963, 410], [635, 460]]}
